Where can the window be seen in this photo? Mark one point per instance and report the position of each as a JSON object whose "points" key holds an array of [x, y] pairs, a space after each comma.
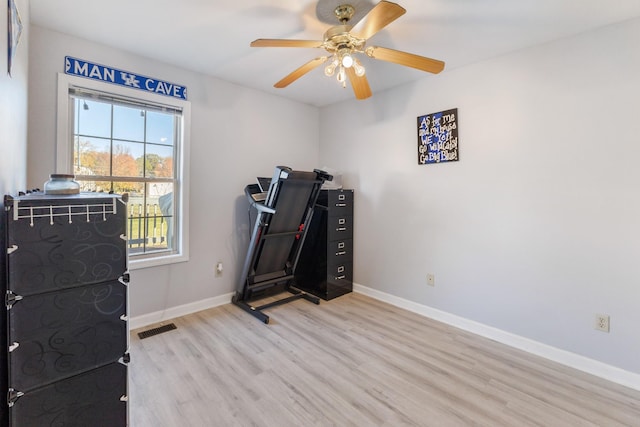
{"points": [[131, 145]]}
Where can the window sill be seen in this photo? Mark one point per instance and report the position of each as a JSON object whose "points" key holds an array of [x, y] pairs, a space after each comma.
{"points": [[138, 264]]}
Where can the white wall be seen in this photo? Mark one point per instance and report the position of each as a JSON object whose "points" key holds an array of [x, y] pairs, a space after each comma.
{"points": [[533, 231], [536, 229], [13, 142], [236, 135], [13, 106]]}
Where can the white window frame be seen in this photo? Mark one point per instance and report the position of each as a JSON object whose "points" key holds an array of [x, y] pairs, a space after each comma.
{"points": [[64, 155]]}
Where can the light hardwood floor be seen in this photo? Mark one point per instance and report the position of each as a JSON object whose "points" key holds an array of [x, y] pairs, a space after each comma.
{"points": [[355, 361]]}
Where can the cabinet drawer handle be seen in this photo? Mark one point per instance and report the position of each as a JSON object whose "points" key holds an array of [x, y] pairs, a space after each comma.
{"points": [[341, 253], [341, 205], [341, 277], [341, 229]]}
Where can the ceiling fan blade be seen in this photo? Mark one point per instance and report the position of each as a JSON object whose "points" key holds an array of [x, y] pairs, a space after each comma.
{"points": [[360, 84], [295, 75], [407, 59], [285, 43], [379, 17]]}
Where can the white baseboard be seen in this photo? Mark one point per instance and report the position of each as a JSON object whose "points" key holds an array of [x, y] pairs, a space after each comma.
{"points": [[181, 310], [572, 360]]}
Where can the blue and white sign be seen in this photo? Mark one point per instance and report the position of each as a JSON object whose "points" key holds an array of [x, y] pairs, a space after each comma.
{"points": [[78, 67]]}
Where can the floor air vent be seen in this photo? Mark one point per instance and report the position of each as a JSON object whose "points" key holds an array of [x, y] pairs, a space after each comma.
{"points": [[155, 331]]}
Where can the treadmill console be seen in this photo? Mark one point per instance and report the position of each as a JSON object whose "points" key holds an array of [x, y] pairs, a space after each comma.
{"points": [[264, 184], [255, 192]]}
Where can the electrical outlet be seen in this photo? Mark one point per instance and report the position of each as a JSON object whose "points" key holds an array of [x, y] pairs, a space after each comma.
{"points": [[431, 279], [219, 269], [602, 322]]}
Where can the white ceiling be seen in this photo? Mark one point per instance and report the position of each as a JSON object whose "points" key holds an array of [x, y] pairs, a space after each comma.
{"points": [[213, 36]]}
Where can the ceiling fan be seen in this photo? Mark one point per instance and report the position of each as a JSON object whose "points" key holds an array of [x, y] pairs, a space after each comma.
{"points": [[344, 40]]}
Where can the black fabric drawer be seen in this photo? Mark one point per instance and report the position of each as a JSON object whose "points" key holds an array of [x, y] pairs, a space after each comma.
{"points": [[60, 334], [97, 398], [53, 244]]}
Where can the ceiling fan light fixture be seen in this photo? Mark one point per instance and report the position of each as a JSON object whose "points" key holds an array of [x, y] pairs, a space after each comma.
{"points": [[358, 68], [342, 77], [346, 41], [330, 69], [347, 60]]}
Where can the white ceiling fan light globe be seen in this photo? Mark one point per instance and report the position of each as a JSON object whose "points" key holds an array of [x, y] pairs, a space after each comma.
{"points": [[347, 60]]}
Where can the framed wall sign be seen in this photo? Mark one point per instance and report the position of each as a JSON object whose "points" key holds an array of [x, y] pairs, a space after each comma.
{"points": [[438, 137], [14, 30], [78, 67]]}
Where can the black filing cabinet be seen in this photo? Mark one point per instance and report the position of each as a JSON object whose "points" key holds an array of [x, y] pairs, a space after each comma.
{"points": [[325, 267], [66, 310]]}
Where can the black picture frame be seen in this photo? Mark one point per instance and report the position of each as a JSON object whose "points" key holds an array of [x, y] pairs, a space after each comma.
{"points": [[438, 137]]}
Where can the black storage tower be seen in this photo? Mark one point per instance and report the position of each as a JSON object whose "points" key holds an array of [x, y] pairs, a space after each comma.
{"points": [[325, 268], [66, 317]]}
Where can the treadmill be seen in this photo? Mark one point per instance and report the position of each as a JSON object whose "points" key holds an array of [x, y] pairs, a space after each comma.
{"points": [[284, 206]]}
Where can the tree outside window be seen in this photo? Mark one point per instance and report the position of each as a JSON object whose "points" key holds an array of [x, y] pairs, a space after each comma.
{"points": [[124, 146]]}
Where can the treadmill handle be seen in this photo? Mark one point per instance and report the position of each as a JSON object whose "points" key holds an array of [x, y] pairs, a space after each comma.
{"points": [[263, 208]]}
